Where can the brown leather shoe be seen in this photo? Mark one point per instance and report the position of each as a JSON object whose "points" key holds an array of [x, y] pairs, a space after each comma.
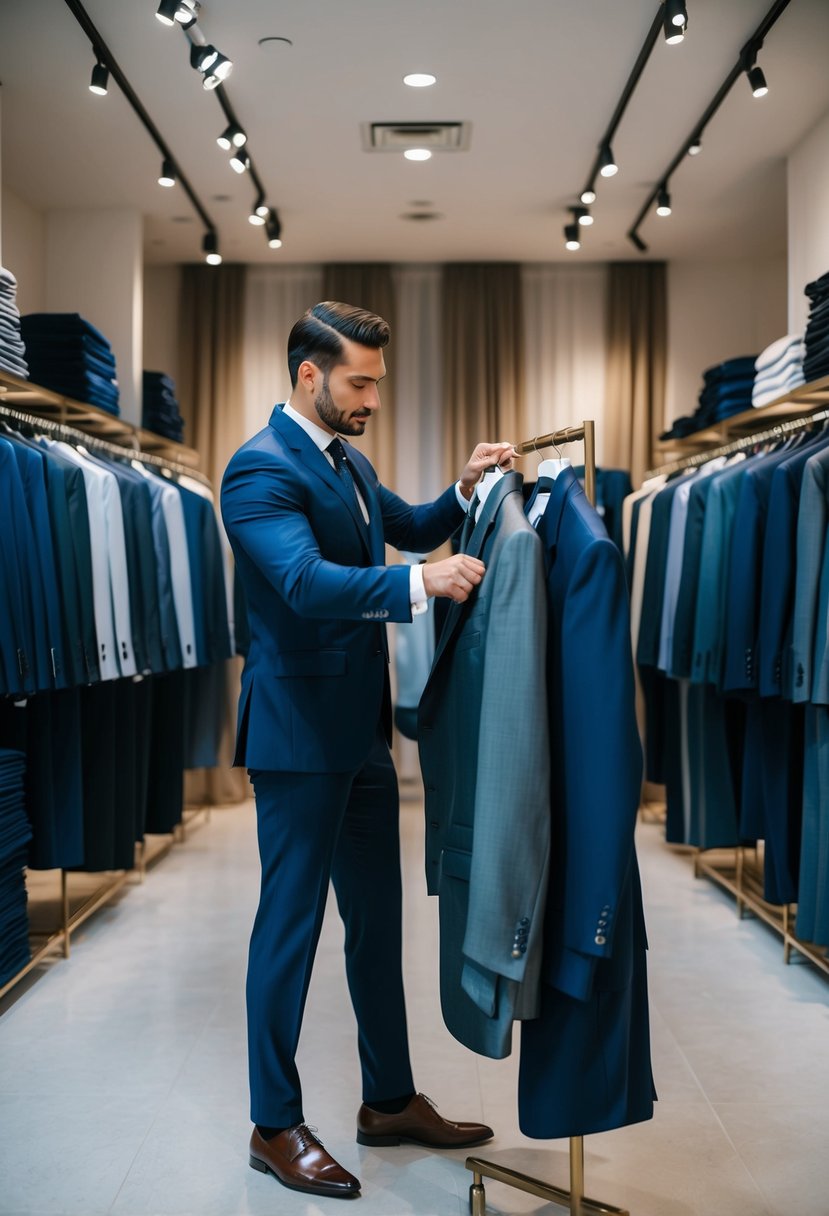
{"points": [[419, 1123], [297, 1159]]}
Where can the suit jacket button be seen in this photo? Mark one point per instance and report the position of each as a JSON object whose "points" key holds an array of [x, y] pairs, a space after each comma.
{"points": [[433, 823], [600, 939], [516, 953]]}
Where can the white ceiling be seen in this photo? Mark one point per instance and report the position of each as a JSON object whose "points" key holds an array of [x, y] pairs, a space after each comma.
{"points": [[537, 79]]}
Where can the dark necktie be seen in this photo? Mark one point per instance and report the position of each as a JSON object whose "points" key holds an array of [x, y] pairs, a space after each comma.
{"points": [[337, 451]]}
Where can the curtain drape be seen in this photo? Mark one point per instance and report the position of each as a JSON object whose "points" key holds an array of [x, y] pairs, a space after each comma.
{"points": [[636, 363], [369, 285], [211, 391], [565, 325], [483, 358]]}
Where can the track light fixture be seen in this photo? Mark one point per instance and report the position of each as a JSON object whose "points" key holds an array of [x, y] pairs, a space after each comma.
{"points": [[232, 137], [582, 216], [673, 33], [259, 211], [757, 80], [166, 12], [676, 13], [219, 71], [588, 196], [273, 229], [695, 146], [210, 248], [571, 237], [182, 11], [239, 161], [100, 80], [167, 177], [663, 201], [607, 163]]}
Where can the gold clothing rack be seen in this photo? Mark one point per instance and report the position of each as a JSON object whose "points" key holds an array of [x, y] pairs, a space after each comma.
{"points": [[574, 1199], [778, 431]]}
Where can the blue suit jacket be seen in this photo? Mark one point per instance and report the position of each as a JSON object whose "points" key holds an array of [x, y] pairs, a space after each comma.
{"points": [[315, 683]]}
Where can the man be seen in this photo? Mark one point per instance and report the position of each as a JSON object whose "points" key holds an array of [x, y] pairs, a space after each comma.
{"points": [[308, 519]]}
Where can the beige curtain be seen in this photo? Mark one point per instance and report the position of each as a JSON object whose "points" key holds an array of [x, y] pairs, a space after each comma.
{"points": [[483, 367], [211, 392], [636, 364], [369, 285]]}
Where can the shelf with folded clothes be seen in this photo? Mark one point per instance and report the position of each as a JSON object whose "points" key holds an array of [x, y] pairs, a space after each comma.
{"points": [[44, 403], [797, 403]]}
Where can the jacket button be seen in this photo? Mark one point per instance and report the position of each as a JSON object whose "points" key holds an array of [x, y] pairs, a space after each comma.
{"points": [[516, 953], [600, 939], [434, 823]]}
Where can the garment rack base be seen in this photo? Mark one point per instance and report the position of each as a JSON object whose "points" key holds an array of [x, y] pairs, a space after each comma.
{"points": [[576, 1202]]}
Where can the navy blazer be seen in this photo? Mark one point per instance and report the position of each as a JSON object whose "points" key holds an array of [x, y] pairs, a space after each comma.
{"points": [[315, 684]]}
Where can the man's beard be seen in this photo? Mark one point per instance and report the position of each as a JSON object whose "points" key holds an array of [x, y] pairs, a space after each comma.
{"points": [[337, 419]]}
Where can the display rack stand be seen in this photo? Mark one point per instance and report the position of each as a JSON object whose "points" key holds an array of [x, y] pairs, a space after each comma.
{"points": [[574, 1198]]}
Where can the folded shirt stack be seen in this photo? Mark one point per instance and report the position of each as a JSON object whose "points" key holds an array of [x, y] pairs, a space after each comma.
{"points": [[778, 370], [15, 834], [726, 390], [816, 360], [161, 413], [69, 355], [12, 348]]}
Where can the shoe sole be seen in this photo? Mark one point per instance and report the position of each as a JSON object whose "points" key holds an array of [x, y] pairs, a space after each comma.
{"points": [[394, 1141], [262, 1167]]}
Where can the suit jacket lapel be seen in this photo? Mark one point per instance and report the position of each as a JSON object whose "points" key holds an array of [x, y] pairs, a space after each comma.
{"points": [[316, 462]]}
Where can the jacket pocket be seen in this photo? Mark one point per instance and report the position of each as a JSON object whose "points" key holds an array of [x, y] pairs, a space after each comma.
{"points": [[305, 663], [467, 640], [456, 865]]}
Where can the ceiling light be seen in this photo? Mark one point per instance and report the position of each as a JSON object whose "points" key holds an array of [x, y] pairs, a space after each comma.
{"points": [[239, 161], [186, 13], [676, 13], [588, 196], [166, 12], [695, 146], [582, 216], [202, 57], [419, 80], [167, 177], [259, 211], [673, 33], [663, 201], [100, 80], [232, 137], [607, 165], [219, 70], [210, 248], [757, 80], [273, 229], [571, 237], [417, 154]]}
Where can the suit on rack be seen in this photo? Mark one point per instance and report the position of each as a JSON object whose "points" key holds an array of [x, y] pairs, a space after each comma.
{"points": [[482, 730], [314, 725], [585, 1063]]}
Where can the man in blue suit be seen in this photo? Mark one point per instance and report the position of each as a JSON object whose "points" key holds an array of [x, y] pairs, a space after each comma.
{"points": [[308, 519]]}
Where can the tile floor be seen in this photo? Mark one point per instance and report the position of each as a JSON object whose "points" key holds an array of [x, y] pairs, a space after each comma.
{"points": [[122, 1070]]}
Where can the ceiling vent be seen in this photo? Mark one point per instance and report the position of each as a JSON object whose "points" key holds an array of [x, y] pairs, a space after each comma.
{"points": [[398, 136]]}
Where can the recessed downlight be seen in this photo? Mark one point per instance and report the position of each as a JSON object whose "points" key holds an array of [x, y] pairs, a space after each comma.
{"points": [[417, 154], [419, 80]]}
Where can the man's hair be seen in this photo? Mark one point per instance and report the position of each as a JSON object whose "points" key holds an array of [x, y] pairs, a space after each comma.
{"points": [[317, 335]]}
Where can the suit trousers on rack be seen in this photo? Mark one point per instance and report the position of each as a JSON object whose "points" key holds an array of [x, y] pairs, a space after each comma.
{"points": [[310, 826]]}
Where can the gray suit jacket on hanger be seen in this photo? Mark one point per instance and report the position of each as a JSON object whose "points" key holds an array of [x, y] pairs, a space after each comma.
{"points": [[484, 750]]}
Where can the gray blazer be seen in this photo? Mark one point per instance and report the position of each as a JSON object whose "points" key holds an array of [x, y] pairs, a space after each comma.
{"points": [[484, 751]]}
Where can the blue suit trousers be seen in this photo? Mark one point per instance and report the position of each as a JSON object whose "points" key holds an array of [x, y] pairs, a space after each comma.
{"points": [[312, 826]]}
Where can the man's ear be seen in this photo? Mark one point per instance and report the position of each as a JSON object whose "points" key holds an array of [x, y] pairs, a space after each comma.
{"points": [[307, 375]]}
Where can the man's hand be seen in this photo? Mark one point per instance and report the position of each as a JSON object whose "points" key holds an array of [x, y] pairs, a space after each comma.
{"points": [[485, 455], [455, 577]]}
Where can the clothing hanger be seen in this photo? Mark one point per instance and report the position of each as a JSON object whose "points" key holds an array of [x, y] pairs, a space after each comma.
{"points": [[552, 468]]}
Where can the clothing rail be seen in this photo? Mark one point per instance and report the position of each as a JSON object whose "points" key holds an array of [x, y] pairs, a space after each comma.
{"points": [[739, 445], [570, 434], [64, 431], [574, 1199]]}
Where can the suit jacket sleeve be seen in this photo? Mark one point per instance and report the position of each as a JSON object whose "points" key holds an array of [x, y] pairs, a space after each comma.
{"points": [[264, 511], [604, 769]]}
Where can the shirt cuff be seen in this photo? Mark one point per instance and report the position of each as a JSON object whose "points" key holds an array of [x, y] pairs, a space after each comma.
{"points": [[418, 599]]}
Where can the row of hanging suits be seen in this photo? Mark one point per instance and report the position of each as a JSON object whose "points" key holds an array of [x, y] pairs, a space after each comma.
{"points": [[729, 571], [114, 629], [532, 769]]}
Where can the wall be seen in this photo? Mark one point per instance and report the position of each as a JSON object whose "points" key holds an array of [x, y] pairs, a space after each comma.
{"points": [[717, 310], [808, 190], [23, 245], [162, 290]]}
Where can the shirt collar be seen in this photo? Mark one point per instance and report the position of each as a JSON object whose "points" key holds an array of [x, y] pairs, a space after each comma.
{"points": [[315, 433]]}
